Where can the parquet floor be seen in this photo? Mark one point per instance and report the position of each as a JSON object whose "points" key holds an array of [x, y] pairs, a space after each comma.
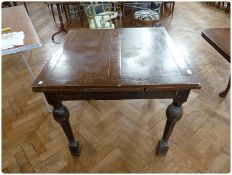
{"points": [[120, 136]]}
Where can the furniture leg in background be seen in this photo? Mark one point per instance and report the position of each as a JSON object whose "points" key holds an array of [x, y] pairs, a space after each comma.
{"points": [[225, 92], [76, 10], [170, 8], [67, 15], [173, 7], [62, 28], [52, 10], [227, 10]]}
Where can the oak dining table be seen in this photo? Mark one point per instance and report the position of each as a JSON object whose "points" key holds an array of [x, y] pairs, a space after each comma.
{"points": [[117, 64]]}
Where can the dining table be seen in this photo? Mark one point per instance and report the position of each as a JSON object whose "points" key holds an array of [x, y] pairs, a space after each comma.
{"points": [[117, 64]]}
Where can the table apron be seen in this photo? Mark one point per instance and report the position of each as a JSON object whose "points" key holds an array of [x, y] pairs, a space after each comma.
{"points": [[64, 96]]}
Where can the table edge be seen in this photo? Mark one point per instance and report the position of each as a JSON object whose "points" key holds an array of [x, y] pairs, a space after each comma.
{"points": [[212, 43], [20, 49], [118, 89]]}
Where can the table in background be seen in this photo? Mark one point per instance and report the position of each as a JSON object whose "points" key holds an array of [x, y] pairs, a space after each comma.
{"points": [[219, 39], [59, 6], [132, 63], [18, 20]]}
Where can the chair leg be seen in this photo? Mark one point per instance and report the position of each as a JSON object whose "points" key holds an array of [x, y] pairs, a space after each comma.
{"points": [[51, 5], [62, 9], [69, 15], [170, 8], [173, 6], [79, 11], [218, 6], [123, 9], [49, 9], [66, 14], [227, 10]]}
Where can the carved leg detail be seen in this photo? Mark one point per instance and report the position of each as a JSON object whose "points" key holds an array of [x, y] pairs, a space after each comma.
{"points": [[174, 113], [61, 115]]}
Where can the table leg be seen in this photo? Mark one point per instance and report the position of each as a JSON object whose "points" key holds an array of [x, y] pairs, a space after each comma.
{"points": [[62, 28], [224, 93], [61, 115], [174, 113]]}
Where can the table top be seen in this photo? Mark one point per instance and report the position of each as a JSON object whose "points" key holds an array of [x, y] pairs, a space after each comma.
{"points": [[219, 38], [118, 59], [17, 19]]}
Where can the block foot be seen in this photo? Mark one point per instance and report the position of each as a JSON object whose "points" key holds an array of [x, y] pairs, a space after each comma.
{"points": [[162, 148], [74, 147]]}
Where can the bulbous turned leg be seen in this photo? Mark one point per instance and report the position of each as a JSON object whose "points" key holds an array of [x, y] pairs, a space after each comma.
{"points": [[174, 113], [61, 115]]}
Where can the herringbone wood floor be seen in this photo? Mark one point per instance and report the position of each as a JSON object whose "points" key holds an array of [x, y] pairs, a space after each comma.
{"points": [[120, 136]]}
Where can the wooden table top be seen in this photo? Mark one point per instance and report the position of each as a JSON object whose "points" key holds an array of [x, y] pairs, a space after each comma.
{"points": [[17, 19], [219, 38], [116, 60]]}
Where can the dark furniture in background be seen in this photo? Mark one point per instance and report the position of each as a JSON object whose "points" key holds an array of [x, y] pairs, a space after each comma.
{"points": [[14, 3], [225, 5], [62, 28], [107, 65], [227, 10], [219, 38], [171, 6], [64, 7], [73, 8], [64, 11]]}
